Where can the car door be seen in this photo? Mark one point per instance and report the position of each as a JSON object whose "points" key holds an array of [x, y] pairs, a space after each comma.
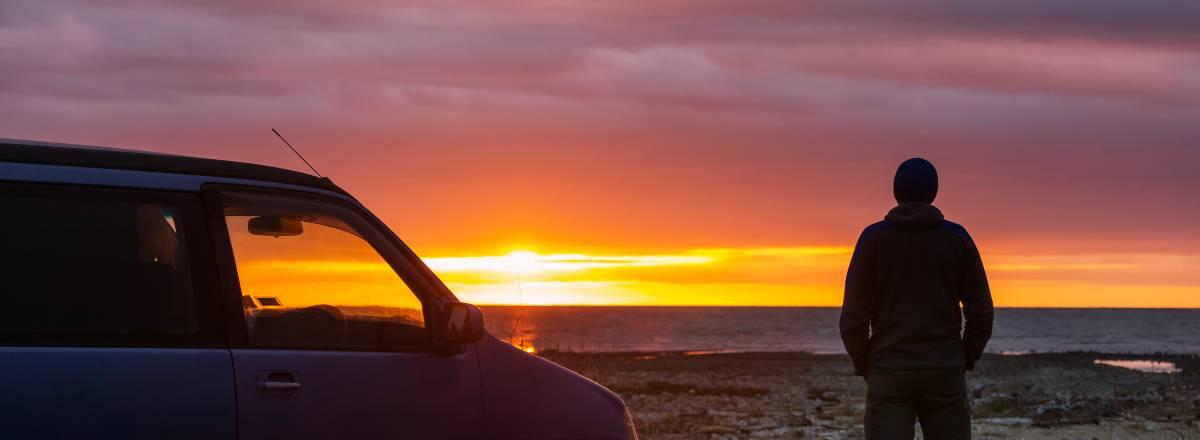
{"points": [[330, 340], [111, 326]]}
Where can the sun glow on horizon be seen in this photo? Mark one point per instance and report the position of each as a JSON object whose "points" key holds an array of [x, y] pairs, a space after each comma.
{"points": [[529, 262], [796, 276], [702, 276], [766, 276]]}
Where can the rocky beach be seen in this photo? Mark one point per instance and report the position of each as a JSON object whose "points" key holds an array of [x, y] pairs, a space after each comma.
{"points": [[689, 395]]}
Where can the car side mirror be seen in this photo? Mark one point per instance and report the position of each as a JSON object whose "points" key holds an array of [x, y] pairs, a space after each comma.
{"points": [[275, 226], [463, 323]]}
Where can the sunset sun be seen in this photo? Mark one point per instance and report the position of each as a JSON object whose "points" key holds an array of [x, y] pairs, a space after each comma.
{"points": [[519, 262]]}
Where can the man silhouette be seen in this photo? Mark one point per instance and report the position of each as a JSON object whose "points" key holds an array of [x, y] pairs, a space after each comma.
{"points": [[901, 317]]}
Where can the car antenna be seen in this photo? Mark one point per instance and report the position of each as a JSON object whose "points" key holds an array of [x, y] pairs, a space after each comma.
{"points": [[289, 145]]}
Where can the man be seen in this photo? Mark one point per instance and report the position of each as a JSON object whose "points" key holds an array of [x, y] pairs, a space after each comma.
{"points": [[901, 317]]}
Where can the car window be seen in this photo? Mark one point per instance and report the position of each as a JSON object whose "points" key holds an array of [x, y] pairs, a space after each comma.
{"points": [[95, 267], [310, 280]]}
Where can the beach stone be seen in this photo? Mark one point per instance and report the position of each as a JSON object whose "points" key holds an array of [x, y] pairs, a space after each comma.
{"points": [[805, 420], [1067, 397], [775, 432], [1006, 421], [1050, 414], [716, 430], [977, 390]]}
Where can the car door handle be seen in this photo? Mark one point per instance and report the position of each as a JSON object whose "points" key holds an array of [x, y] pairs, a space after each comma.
{"points": [[280, 386]]}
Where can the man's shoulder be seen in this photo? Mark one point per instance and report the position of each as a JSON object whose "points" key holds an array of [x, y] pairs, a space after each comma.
{"points": [[875, 228], [954, 228]]}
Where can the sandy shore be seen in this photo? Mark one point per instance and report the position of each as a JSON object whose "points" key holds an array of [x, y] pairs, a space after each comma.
{"points": [[797, 395]]}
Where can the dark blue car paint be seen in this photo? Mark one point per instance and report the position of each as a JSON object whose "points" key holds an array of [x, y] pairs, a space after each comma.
{"points": [[491, 390], [346, 394], [527, 397], [65, 392]]}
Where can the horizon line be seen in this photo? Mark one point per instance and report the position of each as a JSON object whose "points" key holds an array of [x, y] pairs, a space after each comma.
{"points": [[747, 306]]}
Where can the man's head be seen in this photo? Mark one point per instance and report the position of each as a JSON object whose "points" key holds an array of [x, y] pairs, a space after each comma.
{"points": [[916, 181]]}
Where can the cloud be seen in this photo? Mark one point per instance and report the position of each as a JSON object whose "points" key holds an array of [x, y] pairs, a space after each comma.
{"points": [[764, 124]]}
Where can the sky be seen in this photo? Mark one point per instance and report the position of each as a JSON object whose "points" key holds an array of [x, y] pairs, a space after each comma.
{"points": [[669, 152]]}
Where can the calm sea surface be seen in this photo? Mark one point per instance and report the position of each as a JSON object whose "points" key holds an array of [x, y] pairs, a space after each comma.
{"points": [[815, 329]]}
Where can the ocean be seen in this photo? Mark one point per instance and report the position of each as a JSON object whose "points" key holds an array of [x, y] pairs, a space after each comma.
{"points": [[814, 329]]}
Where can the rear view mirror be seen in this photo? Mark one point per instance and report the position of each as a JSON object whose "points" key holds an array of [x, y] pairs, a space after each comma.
{"points": [[463, 323], [275, 226]]}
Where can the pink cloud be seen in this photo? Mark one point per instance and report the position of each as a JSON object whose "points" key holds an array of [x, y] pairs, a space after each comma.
{"points": [[762, 123]]}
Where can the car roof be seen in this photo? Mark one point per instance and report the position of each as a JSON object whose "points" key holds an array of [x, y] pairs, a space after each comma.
{"points": [[37, 152]]}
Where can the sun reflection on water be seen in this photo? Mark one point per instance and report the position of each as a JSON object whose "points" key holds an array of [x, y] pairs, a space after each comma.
{"points": [[520, 333]]}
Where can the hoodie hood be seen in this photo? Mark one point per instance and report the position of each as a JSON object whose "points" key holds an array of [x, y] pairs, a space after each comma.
{"points": [[915, 215], [916, 181]]}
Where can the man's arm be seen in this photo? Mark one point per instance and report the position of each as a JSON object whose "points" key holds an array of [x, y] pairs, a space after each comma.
{"points": [[858, 304], [977, 306]]}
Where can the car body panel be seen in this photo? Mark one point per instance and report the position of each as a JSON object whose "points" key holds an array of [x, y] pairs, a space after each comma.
{"points": [[126, 393], [64, 174], [362, 395], [527, 397]]}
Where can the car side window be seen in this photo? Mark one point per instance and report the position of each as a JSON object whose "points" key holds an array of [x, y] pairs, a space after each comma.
{"points": [[97, 267], [310, 278]]}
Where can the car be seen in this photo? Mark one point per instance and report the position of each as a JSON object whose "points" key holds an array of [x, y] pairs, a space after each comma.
{"points": [[158, 296]]}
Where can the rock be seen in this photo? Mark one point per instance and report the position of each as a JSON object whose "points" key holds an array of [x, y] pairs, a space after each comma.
{"points": [[803, 420], [977, 390], [716, 430], [1006, 421], [1050, 414], [776, 432]]}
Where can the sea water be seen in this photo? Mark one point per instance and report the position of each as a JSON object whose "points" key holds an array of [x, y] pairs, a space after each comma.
{"points": [[815, 329]]}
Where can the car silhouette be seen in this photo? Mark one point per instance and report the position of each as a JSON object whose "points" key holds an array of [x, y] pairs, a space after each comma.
{"points": [[158, 296]]}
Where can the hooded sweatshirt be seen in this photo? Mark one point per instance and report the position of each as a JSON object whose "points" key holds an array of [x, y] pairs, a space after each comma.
{"points": [[916, 295]]}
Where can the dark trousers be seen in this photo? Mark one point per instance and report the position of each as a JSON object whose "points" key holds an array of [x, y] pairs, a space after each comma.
{"points": [[937, 398]]}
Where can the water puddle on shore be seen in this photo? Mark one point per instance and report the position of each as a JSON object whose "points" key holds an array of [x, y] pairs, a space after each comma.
{"points": [[1141, 365]]}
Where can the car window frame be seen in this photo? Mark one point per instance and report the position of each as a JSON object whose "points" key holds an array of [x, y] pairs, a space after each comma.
{"points": [[379, 237], [210, 321]]}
